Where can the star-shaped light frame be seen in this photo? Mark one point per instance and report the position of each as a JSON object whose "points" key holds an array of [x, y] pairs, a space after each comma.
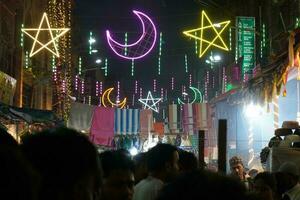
{"points": [[154, 101], [191, 34], [60, 31]]}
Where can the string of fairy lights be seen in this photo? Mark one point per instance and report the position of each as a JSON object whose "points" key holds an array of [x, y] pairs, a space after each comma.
{"points": [[60, 15], [186, 64], [159, 53], [59, 12], [263, 40]]}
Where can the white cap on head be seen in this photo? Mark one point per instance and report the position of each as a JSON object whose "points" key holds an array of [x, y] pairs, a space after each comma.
{"points": [[290, 168]]}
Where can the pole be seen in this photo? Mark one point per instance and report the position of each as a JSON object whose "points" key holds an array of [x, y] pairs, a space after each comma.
{"points": [[222, 145], [201, 138]]}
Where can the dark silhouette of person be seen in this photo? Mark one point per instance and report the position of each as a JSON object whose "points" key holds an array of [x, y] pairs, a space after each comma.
{"points": [[264, 184], [118, 176], [187, 161], [18, 181], [287, 178], [162, 164], [67, 162], [201, 184], [141, 171]]}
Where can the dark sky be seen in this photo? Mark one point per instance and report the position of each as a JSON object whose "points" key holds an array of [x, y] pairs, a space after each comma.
{"points": [[171, 18]]}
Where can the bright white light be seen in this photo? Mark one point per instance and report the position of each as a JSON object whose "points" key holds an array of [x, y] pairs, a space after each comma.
{"points": [[185, 94], [207, 61], [217, 58], [98, 61], [133, 151], [217, 25], [92, 40], [253, 111], [118, 101], [94, 51]]}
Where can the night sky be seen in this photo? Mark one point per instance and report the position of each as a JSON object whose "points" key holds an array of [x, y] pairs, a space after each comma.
{"points": [[171, 18]]}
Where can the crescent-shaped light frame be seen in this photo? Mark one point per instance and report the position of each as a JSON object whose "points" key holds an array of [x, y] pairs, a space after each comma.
{"points": [[196, 91], [110, 40], [107, 93]]}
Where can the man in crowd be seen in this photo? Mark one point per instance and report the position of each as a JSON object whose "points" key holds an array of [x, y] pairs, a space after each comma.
{"points": [[162, 163], [287, 181], [118, 176], [238, 170]]}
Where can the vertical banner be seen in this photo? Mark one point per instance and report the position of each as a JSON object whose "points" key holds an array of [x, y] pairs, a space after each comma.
{"points": [[173, 121], [127, 121], [245, 43]]}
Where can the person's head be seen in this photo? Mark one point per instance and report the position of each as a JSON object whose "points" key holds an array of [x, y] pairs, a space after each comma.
{"points": [[125, 152], [287, 176], [264, 185], [201, 184], [67, 162], [118, 176], [18, 180], [162, 162], [237, 167], [141, 172], [187, 161]]}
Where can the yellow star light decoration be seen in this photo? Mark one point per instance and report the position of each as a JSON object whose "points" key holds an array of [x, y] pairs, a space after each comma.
{"points": [[31, 31], [213, 42]]}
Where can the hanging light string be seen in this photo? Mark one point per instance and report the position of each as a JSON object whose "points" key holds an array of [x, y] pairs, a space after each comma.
{"points": [[159, 54]]}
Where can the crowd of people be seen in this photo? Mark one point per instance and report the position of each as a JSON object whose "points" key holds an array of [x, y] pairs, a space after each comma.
{"points": [[62, 164]]}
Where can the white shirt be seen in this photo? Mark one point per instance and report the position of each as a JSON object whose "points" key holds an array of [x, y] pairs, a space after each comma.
{"points": [[147, 189], [294, 193]]}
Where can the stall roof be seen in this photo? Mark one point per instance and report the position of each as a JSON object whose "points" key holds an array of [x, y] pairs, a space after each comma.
{"points": [[28, 115]]}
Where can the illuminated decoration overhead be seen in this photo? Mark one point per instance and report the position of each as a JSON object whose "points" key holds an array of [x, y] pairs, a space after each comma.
{"points": [[90, 100], [154, 85], [297, 23], [262, 40], [126, 42], [159, 53], [217, 41], [197, 97], [26, 59], [196, 44], [97, 88], [92, 41], [79, 65], [76, 82], [172, 83], [22, 37], [30, 32], [106, 96], [141, 93], [150, 102], [142, 46], [136, 87], [54, 68], [230, 39], [101, 87], [132, 68], [186, 63], [82, 86]]}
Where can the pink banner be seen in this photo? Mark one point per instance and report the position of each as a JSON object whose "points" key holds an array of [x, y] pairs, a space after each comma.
{"points": [[102, 130], [146, 120]]}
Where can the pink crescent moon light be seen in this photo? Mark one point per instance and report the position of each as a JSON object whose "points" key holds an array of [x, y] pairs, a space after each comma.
{"points": [[142, 46]]}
